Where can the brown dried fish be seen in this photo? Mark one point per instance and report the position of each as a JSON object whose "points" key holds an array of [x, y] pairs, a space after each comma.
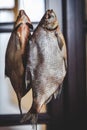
{"points": [[47, 63], [16, 55]]}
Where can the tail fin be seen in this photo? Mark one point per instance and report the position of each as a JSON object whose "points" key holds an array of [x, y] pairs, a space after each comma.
{"points": [[33, 118], [30, 116]]}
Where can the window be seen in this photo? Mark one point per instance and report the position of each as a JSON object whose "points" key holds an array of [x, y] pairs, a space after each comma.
{"points": [[34, 9], [9, 4]]}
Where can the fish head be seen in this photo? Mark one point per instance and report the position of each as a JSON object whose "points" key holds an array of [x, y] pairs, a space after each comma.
{"points": [[50, 21], [23, 19], [23, 27]]}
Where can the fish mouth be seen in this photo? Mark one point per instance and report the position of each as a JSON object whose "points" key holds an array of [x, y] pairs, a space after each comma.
{"points": [[23, 19], [50, 20], [50, 14], [21, 12]]}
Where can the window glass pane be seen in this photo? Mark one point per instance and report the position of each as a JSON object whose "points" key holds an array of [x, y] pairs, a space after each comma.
{"points": [[24, 127], [3, 88], [5, 106], [7, 3], [34, 8], [6, 16]]}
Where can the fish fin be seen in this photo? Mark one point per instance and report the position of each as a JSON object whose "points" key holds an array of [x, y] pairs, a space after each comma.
{"points": [[58, 91], [56, 94], [48, 100], [17, 42], [28, 78], [62, 46], [30, 116], [60, 39], [27, 82], [65, 63], [18, 46], [26, 117]]}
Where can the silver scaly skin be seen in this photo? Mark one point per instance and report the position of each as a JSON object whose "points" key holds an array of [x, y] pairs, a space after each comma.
{"points": [[47, 63]]}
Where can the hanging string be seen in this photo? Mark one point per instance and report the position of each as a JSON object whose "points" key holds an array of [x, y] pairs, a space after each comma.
{"points": [[22, 5]]}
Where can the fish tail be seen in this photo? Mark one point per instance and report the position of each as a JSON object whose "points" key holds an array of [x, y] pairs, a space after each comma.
{"points": [[30, 116], [19, 103], [34, 126], [26, 117]]}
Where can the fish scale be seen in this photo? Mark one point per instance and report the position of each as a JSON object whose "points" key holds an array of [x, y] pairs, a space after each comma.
{"points": [[46, 63]]}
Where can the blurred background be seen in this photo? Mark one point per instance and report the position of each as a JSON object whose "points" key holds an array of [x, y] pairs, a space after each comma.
{"points": [[69, 111]]}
